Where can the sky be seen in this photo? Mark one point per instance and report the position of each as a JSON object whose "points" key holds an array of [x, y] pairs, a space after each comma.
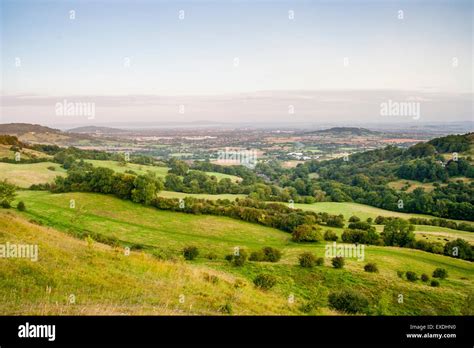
{"points": [[142, 61]]}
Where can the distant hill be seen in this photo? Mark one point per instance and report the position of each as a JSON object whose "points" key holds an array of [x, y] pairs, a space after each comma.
{"points": [[95, 129], [354, 131], [36, 134], [23, 128]]}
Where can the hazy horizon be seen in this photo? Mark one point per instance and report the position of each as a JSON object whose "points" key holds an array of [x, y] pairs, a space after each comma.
{"points": [[278, 61]]}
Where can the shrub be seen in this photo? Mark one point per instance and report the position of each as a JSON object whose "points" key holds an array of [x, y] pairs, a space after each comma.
{"points": [[307, 260], [190, 252], [211, 278], [226, 308], [52, 168], [440, 273], [360, 225], [320, 261], [348, 301], [459, 248], [371, 267], [21, 206], [400, 274], [338, 262], [411, 276], [264, 281], [309, 306], [238, 259], [360, 236], [335, 221], [306, 233], [434, 283], [257, 256], [7, 194], [425, 277], [271, 254], [330, 235], [354, 218], [5, 204], [212, 256]]}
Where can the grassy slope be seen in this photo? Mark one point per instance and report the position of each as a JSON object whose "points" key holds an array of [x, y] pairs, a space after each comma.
{"points": [[105, 281], [172, 194], [171, 231], [25, 153], [26, 174], [361, 210], [142, 169]]}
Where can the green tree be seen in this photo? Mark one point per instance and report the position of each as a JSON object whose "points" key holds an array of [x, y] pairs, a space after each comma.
{"points": [[398, 232], [7, 193]]}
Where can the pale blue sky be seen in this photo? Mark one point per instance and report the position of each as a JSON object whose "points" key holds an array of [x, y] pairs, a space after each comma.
{"points": [[195, 56]]}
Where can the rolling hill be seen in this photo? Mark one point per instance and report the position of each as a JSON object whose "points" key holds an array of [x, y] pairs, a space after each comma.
{"points": [[164, 233]]}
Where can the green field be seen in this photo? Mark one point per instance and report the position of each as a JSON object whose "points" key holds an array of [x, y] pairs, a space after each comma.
{"points": [[172, 194], [143, 169], [361, 210], [137, 168], [167, 232], [26, 174], [105, 281], [25, 153]]}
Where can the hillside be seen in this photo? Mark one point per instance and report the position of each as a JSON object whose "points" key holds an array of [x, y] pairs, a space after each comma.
{"points": [[344, 131], [22, 128], [99, 279], [164, 233], [96, 129], [37, 134]]}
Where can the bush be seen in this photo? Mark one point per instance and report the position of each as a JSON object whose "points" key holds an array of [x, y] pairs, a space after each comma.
{"points": [[306, 233], [7, 194], [371, 267], [400, 274], [354, 218], [320, 261], [211, 278], [348, 301], [440, 273], [425, 277], [190, 252], [226, 308], [459, 248], [338, 262], [411, 276], [360, 236], [212, 256], [271, 254], [257, 256], [434, 283], [330, 236], [307, 260], [264, 281], [309, 306], [239, 259], [21, 206], [335, 221], [5, 204]]}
